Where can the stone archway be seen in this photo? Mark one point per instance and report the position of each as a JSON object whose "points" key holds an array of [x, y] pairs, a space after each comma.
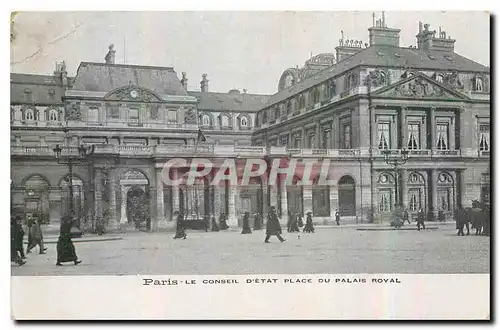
{"points": [[135, 201], [36, 197], [347, 196]]}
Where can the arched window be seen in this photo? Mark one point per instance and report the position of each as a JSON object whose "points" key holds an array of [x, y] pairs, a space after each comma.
{"points": [[302, 102], [53, 115], [288, 108], [386, 192], [30, 114], [445, 192], [224, 121], [205, 120], [439, 78], [479, 84], [244, 122]]}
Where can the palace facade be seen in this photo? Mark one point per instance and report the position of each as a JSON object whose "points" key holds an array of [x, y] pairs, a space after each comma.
{"points": [[346, 107]]}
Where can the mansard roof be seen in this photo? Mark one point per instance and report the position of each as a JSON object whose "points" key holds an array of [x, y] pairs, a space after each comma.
{"points": [[229, 101], [385, 56], [102, 77], [40, 87]]}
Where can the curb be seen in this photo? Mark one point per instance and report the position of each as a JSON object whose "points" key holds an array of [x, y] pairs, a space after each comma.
{"points": [[53, 240]]}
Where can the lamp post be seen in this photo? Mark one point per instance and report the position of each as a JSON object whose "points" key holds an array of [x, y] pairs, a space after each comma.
{"points": [[395, 160], [70, 161]]}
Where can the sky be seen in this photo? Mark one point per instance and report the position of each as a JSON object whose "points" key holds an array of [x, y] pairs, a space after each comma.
{"points": [[243, 50]]}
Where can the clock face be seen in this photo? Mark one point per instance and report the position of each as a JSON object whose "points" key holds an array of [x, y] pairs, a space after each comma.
{"points": [[134, 94]]}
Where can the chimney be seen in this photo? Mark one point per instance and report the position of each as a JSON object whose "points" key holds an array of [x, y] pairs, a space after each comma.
{"points": [[204, 83], [62, 73], [347, 48], [426, 40], [184, 80], [110, 56], [380, 34]]}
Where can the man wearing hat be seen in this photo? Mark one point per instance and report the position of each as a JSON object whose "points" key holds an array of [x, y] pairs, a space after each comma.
{"points": [[273, 226]]}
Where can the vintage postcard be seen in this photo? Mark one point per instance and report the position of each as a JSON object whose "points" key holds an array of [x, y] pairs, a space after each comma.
{"points": [[250, 165]]}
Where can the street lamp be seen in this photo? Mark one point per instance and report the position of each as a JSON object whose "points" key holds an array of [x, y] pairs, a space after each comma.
{"points": [[71, 160], [395, 160]]}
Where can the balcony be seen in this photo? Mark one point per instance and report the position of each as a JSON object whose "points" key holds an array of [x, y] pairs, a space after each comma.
{"points": [[446, 153], [41, 151], [484, 153]]}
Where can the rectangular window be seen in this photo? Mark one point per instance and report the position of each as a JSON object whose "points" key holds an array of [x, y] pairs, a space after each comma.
{"points": [[384, 135], [413, 136], [442, 136], [311, 141], [113, 111], [172, 116], [327, 139], [385, 200], [297, 141], [133, 116], [484, 137], [414, 199], [93, 115], [284, 140], [346, 136]]}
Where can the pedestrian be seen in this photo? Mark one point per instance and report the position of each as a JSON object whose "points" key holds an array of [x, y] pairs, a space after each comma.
{"points": [[223, 222], [36, 237], [15, 240], [65, 247], [300, 221], [476, 217], [206, 222], [273, 227], [461, 220], [246, 224], [294, 225], [337, 217], [215, 227], [257, 221], [420, 219], [180, 231], [406, 217], [309, 228], [20, 238]]}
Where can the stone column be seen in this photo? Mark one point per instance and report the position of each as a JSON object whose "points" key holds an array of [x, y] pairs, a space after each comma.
{"points": [[98, 195], [432, 115], [112, 221], [373, 123], [153, 214], [434, 200], [404, 128], [403, 176], [284, 202], [461, 188], [307, 199], [175, 194], [374, 200], [318, 135], [161, 222], [123, 218], [232, 220]]}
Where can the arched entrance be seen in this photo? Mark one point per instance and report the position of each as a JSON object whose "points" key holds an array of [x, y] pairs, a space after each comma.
{"points": [[135, 201], [36, 197], [347, 196]]}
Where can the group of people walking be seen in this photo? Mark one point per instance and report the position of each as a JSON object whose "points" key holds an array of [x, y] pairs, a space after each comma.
{"points": [[65, 248], [477, 217], [273, 226]]}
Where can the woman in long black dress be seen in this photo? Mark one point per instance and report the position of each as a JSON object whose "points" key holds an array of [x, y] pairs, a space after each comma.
{"points": [[300, 221], [309, 228], [65, 247], [180, 232], [223, 222], [15, 240], [246, 224]]}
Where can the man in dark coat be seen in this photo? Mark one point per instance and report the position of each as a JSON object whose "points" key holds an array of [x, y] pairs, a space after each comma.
{"points": [[180, 231], [294, 224], [36, 237], [257, 221], [20, 236], [246, 224], [337, 217], [223, 222], [309, 228], [420, 219], [15, 240], [273, 226], [65, 247]]}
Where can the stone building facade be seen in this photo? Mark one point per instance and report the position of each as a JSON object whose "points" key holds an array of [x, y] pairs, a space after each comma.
{"points": [[426, 99], [346, 107]]}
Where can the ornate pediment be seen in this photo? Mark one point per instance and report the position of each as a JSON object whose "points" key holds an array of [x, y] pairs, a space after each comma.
{"points": [[419, 87], [132, 93]]}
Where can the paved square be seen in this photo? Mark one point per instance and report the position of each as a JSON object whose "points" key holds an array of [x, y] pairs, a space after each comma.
{"points": [[329, 250]]}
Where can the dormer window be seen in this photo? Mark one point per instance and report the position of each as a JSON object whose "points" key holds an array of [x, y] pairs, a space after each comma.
{"points": [[288, 108], [224, 121], [205, 120], [439, 78], [29, 115], [330, 89], [53, 115], [244, 122], [264, 117], [314, 96], [479, 86], [352, 81]]}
